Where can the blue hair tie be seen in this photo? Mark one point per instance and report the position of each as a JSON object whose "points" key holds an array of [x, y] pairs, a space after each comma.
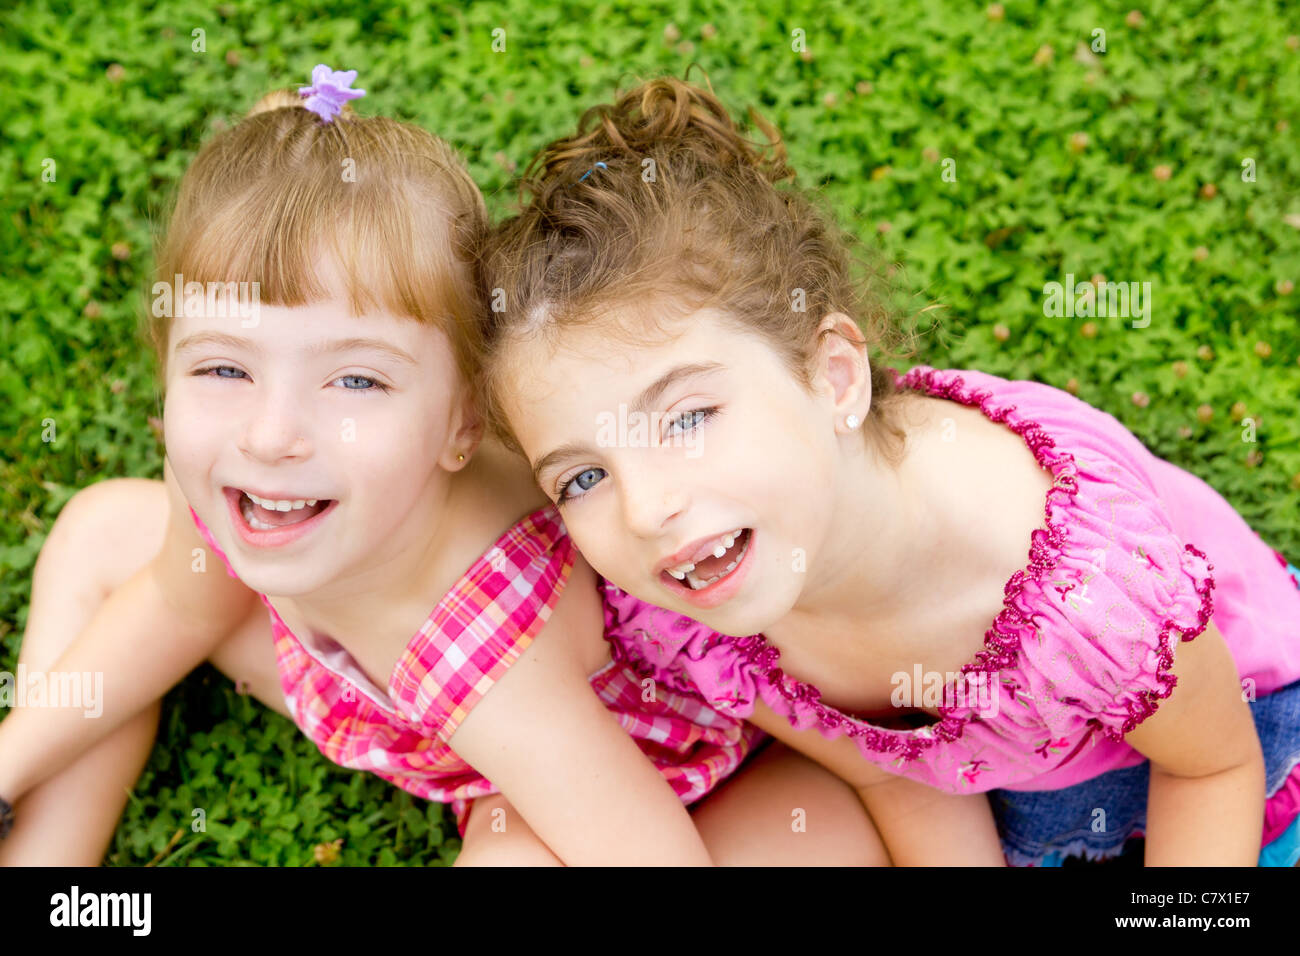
{"points": [[588, 172]]}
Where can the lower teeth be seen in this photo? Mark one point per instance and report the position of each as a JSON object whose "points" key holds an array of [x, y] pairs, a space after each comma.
{"points": [[246, 509]]}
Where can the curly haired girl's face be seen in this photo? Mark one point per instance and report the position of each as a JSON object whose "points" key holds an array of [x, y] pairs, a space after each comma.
{"points": [[307, 441], [693, 473]]}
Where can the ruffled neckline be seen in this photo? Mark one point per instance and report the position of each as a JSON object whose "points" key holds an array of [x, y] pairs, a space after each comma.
{"points": [[1001, 640]]}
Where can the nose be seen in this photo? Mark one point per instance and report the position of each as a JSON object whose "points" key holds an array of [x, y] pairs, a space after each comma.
{"points": [[275, 430], [651, 502]]}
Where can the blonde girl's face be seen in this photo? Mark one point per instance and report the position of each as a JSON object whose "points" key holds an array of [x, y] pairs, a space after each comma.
{"points": [[658, 455], [310, 441]]}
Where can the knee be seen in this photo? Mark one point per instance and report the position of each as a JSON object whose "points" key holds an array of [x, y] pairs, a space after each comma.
{"points": [[116, 503], [471, 855], [102, 536], [497, 836], [484, 851], [111, 526], [489, 852]]}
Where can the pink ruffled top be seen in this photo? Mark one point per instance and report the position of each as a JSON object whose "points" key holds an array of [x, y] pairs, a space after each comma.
{"points": [[1135, 554]]}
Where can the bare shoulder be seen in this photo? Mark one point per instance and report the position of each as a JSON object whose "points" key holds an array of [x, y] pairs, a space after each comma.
{"points": [[1000, 477]]}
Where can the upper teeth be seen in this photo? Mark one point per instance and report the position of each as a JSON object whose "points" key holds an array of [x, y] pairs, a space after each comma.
{"points": [[280, 504], [719, 549]]}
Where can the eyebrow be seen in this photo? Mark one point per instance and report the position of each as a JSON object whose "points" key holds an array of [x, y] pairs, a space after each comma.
{"points": [[225, 340], [652, 393], [374, 345], [215, 338], [664, 382]]}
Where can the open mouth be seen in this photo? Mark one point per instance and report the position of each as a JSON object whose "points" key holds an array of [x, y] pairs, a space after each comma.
{"points": [[267, 514], [274, 521], [726, 555]]}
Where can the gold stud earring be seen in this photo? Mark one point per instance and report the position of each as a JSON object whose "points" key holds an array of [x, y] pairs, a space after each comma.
{"points": [[460, 457]]}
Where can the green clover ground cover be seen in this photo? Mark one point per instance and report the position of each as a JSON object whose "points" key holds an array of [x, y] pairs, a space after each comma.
{"points": [[1059, 159]]}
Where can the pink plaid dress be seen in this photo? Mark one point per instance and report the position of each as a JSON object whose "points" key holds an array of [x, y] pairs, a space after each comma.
{"points": [[474, 633]]}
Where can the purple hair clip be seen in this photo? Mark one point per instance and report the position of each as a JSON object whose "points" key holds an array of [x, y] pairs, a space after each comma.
{"points": [[329, 90]]}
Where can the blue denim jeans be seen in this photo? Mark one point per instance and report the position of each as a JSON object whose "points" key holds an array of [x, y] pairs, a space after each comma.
{"points": [[1041, 828]]}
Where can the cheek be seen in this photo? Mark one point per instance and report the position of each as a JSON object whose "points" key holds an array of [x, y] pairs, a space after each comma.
{"points": [[772, 449], [597, 530], [781, 468], [192, 436], [386, 453]]}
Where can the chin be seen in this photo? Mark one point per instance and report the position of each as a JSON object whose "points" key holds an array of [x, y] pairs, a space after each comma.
{"points": [[279, 578], [285, 574], [739, 621], [743, 615]]}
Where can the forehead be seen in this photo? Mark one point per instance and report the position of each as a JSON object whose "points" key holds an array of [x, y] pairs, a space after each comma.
{"points": [[613, 350], [245, 316], [320, 302], [556, 381]]}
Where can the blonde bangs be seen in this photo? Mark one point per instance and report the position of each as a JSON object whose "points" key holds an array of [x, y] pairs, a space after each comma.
{"points": [[391, 205]]}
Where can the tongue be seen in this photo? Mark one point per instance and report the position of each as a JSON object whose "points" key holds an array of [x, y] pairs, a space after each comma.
{"points": [[711, 566], [280, 519]]}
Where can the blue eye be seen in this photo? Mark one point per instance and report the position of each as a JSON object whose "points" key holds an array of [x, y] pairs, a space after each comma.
{"points": [[366, 384], [691, 419], [216, 371], [583, 480]]}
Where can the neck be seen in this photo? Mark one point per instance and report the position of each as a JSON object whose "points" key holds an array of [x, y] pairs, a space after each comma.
{"points": [[894, 542], [361, 604]]}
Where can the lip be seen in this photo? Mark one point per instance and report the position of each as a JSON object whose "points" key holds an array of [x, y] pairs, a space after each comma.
{"points": [[717, 592], [277, 537]]}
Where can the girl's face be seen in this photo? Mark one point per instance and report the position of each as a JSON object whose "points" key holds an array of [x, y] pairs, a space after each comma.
{"points": [[658, 455], [310, 442]]}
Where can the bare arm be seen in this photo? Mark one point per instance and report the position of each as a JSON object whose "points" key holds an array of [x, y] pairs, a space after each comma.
{"points": [[920, 825], [1205, 801], [563, 760], [923, 826], [147, 635]]}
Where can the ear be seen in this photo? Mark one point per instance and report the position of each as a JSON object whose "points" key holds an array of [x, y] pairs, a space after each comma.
{"points": [[842, 373], [464, 435]]}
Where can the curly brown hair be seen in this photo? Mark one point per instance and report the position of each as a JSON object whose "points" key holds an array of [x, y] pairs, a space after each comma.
{"points": [[658, 205]]}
